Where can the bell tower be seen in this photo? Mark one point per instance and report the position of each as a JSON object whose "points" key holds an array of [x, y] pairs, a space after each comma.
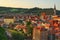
{"points": [[54, 9]]}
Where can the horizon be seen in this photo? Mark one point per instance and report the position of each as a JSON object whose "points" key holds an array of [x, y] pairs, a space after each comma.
{"points": [[30, 3], [28, 8]]}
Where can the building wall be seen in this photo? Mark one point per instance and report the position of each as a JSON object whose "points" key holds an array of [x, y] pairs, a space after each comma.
{"points": [[7, 21], [36, 34]]}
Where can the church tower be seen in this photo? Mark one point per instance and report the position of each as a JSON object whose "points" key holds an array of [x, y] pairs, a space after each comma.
{"points": [[54, 9]]}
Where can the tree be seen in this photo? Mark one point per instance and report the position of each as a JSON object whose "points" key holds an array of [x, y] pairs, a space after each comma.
{"points": [[18, 36], [29, 28], [2, 34]]}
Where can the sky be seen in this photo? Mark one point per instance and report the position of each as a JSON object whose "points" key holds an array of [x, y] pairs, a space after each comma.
{"points": [[30, 3]]}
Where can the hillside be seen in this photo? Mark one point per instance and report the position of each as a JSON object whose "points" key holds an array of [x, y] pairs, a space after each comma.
{"points": [[27, 11]]}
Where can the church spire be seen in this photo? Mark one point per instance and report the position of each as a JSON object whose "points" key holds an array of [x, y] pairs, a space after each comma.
{"points": [[54, 9]]}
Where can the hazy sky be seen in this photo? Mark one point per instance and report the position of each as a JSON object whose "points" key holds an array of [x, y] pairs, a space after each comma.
{"points": [[30, 3]]}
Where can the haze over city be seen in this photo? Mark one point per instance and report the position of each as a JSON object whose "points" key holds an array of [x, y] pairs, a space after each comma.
{"points": [[30, 3]]}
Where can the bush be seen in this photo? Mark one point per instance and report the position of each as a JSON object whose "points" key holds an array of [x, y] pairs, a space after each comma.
{"points": [[17, 36]]}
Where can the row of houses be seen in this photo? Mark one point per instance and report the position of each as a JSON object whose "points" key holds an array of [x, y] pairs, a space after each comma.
{"points": [[32, 18]]}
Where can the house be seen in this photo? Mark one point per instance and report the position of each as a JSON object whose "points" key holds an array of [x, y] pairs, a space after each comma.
{"points": [[8, 19], [56, 17], [1, 20], [21, 27]]}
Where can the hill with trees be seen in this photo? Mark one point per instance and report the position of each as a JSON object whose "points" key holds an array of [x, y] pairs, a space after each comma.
{"points": [[34, 10]]}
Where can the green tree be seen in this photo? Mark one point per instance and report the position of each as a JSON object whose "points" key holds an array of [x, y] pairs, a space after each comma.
{"points": [[29, 28], [18, 36], [2, 34]]}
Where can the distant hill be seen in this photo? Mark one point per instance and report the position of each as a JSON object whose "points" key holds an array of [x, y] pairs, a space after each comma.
{"points": [[35, 10]]}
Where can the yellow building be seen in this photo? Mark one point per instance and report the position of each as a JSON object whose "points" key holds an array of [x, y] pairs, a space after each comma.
{"points": [[8, 20], [36, 34], [56, 18]]}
